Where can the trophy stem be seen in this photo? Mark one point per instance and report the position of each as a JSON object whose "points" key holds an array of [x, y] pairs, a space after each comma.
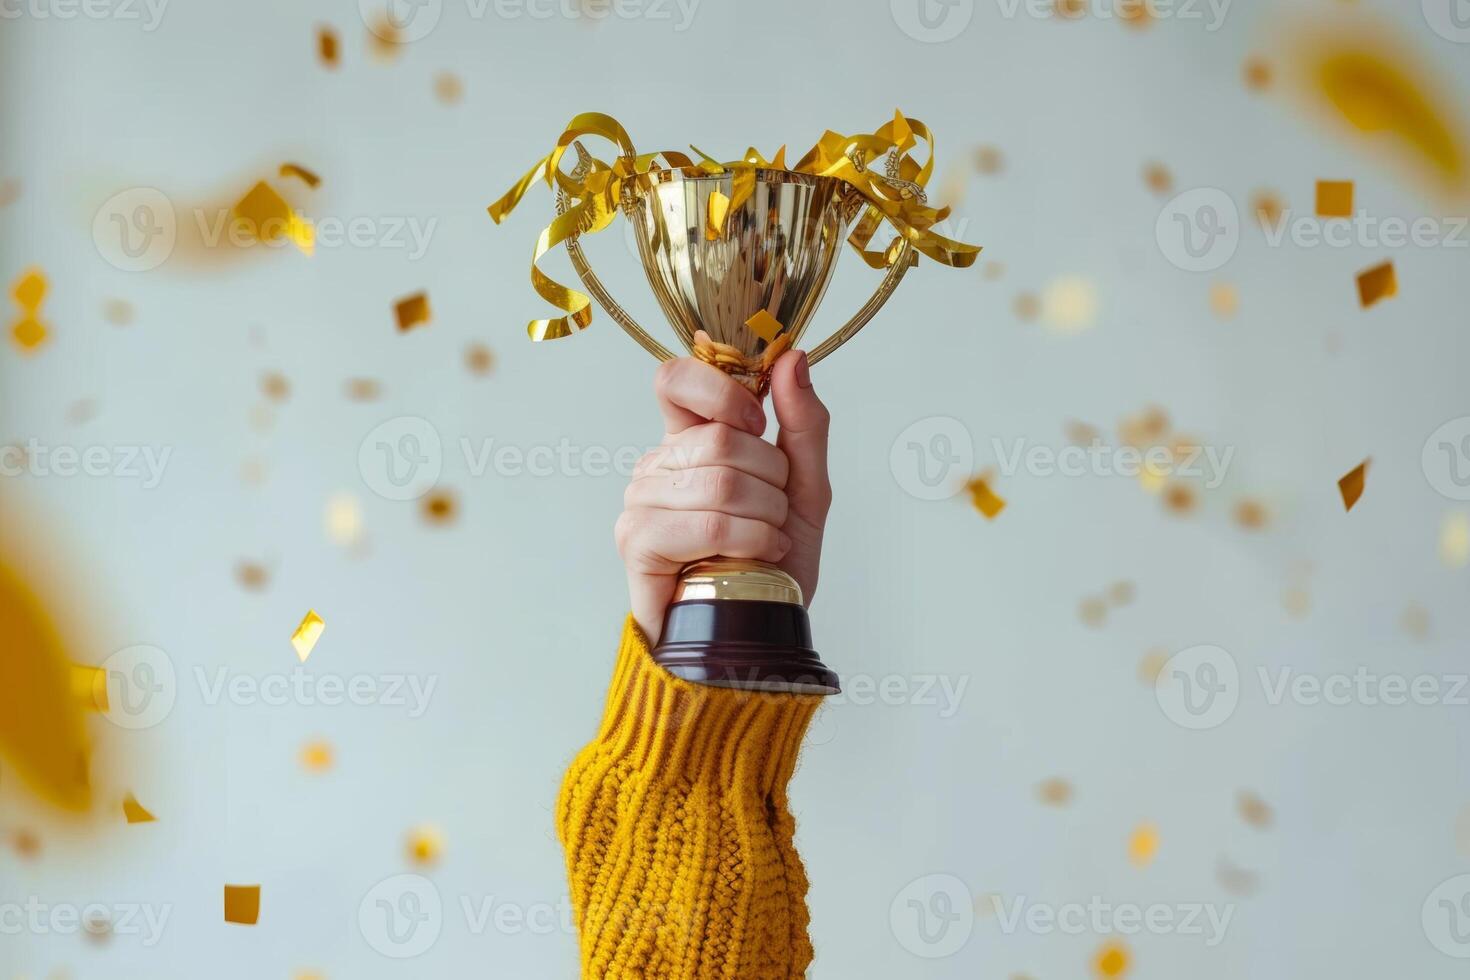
{"points": [[742, 624]]}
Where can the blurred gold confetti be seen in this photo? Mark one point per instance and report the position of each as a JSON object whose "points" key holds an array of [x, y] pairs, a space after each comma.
{"points": [[1237, 881], [1334, 199], [1143, 845], [1454, 540], [1269, 209], [1254, 810], [9, 191], [439, 507], [242, 904], [89, 687], [1028, 307], [425, 844], [81, 411], [264, 214], [274, 386], [1250, 514], [1082, 434], [251, 575], [989, 160], [28, 292], [262, 417], [301, 173], [307, 633], [1135, 13], [327, 46], [343, 519], [1112, 960], [992, 270], [1151, 664], [1224, 300], [1149, 427], [479, 359], [1054, 792], [317, 756], [134, 811], [411, 311], [384, 36], [1297, 600], [1180, 498], [448, 88], [1070, 304], [1415, 621], [1351, 485], [1258, 74], [97, 925], [1121, 593], [1070, 9], [25, 843], [1093, 611], [118, 312], [363, 389], [252, 472], [1157, 178], [984, 499]]}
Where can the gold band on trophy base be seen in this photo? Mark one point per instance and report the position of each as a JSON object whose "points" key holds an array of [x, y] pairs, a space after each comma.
{"points": [[738, 256]]}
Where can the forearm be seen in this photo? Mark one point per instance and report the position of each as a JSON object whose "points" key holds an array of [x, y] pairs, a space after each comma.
{"points": [[677, 835]]}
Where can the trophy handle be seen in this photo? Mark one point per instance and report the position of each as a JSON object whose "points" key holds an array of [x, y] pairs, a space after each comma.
{"points": [[896, 272], [600, 293]]}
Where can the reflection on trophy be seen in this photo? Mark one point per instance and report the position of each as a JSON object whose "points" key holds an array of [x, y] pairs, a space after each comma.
{"points": [[739, 256]]}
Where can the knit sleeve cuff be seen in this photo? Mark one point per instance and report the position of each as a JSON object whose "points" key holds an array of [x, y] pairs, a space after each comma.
{"points": [[675, 729]]}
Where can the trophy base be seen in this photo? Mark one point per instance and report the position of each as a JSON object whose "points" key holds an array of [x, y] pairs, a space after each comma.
{"points": [[741, 624]]}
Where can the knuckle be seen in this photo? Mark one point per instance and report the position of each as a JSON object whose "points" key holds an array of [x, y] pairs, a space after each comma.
{"points": [[717, 529], [719, 485], [718, 441]]}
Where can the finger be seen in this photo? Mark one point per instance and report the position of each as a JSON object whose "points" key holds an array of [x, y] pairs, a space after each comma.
{"points": [[691, 392], [804, 422], [716, 488], [660, 542], [717, 444]]}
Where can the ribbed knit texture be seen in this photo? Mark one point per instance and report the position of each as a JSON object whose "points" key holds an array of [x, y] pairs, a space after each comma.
{"points": [[677, 835]]}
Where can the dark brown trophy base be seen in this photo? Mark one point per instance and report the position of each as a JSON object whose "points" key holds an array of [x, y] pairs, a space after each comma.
{"points": [[743, 643]]}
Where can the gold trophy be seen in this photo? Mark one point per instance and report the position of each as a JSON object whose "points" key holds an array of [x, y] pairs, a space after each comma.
{"points": [[739, 255]]}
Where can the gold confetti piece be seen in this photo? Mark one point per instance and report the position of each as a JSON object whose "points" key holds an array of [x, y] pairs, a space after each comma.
{"points": [[1269, 209], [1149, 427], [251, 575], [985, 500], [1135, 13], [25, 843], [764, 326], [479, 359], [1224, 300], [118, 312], [1298, 602], [264, 214], [1454, 540], [1180, 498], [327, 46], [992, 270], [1055, 792], [1237, 881], [1093, 611], [89, 687], [714, 224], [1251, 514], [28, 333], [252, 472], [9, 191], [363, 389], [317, 756], [411, 311], [425, 844], [29, 290], [305, 637], [262, 419], [343, 519], [448, 89], [274, 386], [439, 507], [1070, 9], [1112, 960], [1334, 199], [135, 812], [1254, 810], [989, 160], [1121, 593], [1151, 665], [1028, 307], [98, 926], [1351, 485], [1069, 304], [1158, 178], [384, 36], [1258, 74], [298, 171], [1415, 621], [242, 904], [1082, 434], [1143, 845]]}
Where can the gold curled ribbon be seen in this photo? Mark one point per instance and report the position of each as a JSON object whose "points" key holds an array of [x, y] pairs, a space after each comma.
{"points": [[589, 196]]}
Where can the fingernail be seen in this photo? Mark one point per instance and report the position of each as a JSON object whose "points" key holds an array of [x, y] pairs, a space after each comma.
{"points": [[803, 371], [785, 542]]}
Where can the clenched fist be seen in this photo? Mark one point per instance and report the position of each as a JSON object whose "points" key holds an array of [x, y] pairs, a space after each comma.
{"points": [[715, 487]]}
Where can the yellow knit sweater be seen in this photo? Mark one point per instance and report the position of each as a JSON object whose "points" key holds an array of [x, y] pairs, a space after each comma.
{"points": [[677, 836]]}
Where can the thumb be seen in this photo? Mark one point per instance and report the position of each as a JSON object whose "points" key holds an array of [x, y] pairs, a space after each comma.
{"points": [[803, 437]]}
